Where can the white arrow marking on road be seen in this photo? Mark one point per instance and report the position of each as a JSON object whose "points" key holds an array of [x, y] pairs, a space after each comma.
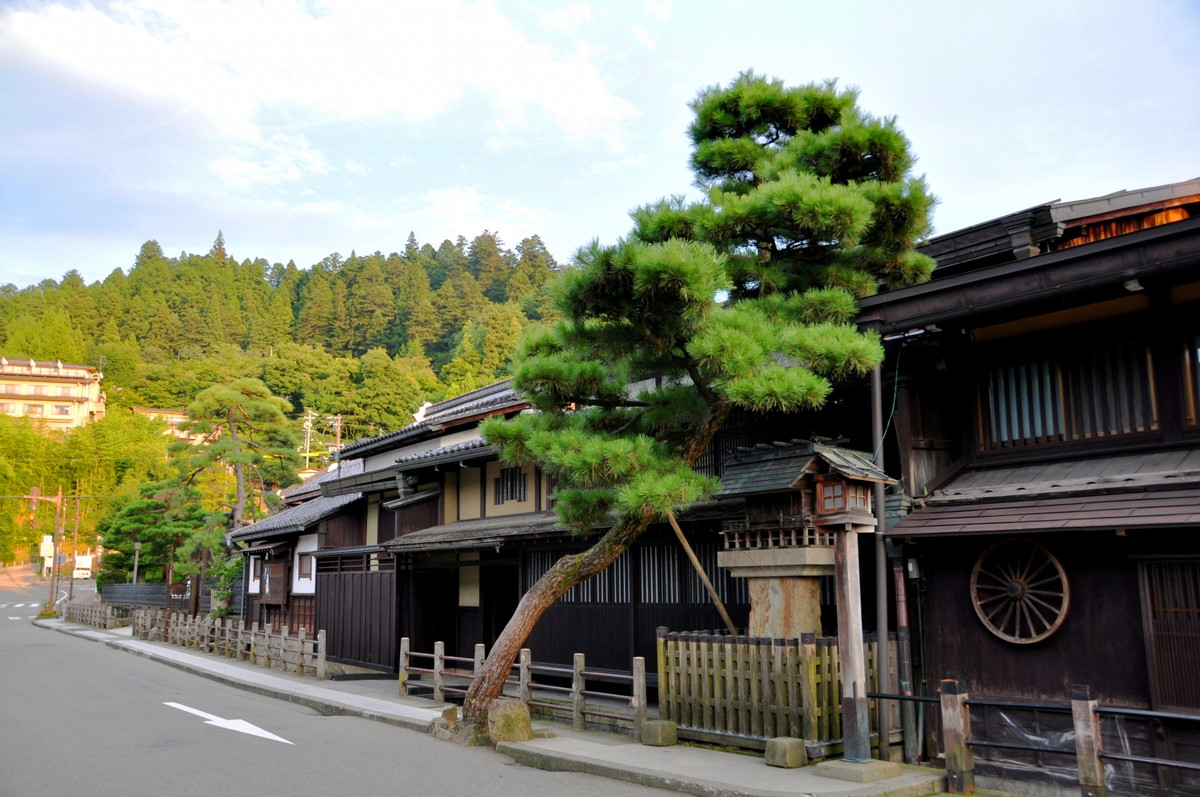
{"points": [[241, 726]]}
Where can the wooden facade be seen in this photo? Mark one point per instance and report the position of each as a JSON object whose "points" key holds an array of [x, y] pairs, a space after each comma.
{"points": [[1046, 402]]}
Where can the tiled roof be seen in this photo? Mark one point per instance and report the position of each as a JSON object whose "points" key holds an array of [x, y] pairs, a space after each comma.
{"points": [[452, 453], [312, 488], [476, 402], [295, 519]]}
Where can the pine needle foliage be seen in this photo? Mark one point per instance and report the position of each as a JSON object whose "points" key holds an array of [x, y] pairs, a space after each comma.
{"points": [[744, 299]]}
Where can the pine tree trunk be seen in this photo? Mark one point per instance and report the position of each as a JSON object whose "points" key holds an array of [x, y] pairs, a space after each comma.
{"points": [[568, 571]]}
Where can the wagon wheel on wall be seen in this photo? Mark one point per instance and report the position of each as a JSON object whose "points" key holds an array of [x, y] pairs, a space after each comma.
{"points": [[1020, 591]]}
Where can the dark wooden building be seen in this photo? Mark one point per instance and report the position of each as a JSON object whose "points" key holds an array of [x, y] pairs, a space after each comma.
{"points": [[1047, 386]]}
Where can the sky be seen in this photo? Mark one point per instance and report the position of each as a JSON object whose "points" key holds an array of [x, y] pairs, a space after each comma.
{"points": [[301, 128]]}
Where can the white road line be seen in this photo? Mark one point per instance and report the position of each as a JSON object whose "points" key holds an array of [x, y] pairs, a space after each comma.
{"points": [[14, 618]]}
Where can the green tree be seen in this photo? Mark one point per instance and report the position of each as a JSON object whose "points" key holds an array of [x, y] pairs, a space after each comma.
{"points": [[369, 308], [490, 264], [316, 310], [388, 391], [809, 205], [161, 518], [242, 428], [50, 337]]}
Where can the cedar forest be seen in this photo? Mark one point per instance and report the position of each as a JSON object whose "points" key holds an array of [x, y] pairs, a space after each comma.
{"points": [[352, 346]]}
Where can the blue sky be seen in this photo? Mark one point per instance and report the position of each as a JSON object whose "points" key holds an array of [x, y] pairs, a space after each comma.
{"points": [[305, 127]]}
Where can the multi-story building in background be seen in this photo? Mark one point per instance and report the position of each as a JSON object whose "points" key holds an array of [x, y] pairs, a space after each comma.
{"points": [[63, 396]]}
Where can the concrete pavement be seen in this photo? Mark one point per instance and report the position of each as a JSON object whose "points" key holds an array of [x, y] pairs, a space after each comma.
{"points": [[681, 768]]}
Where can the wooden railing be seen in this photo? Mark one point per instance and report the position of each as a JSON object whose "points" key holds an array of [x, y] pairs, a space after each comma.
{"points": [[226, 637], [745, 690], [583, 706], [782, 531], [97, 615]]}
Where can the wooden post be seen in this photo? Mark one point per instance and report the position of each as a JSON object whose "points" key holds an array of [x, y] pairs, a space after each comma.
{"points": [[439, 672], [856, 727], [402, 668], [322, 672], [301, 635], [577, 696], [1087, 742], [525, 675], [712, 591], [639, 697], [477, 666], [664, 684], [956, 736]]}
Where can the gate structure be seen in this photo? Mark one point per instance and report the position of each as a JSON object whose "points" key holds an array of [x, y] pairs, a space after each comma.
{"points": [[357, 605]]}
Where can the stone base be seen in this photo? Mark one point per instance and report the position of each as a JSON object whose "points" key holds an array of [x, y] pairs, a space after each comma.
{"points": [[659, 733], [508, 721], [786, 752], [858, 771]]}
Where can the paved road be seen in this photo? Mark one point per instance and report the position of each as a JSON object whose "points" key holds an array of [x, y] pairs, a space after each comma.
{"points": [[77, 718]]}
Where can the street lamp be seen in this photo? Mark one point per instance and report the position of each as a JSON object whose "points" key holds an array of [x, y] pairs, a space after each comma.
{"points": [[137, 552]]}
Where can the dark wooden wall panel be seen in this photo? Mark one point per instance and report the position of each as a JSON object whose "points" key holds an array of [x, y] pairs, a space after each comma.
{"points": [[358, 612]]}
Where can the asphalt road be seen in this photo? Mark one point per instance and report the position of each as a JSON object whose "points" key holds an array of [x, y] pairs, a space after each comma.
{"points": [[77, 717]]}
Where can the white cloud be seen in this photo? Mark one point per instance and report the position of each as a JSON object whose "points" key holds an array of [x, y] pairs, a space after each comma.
{"points": [[242, 64], [570, 20], [643, 37], [659, 10], [446, 212], [280, 159]]}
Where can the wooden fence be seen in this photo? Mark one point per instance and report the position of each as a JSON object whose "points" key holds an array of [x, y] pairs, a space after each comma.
{"points": [[745, 690], [230, 638], [582, 705], [97, 615]]}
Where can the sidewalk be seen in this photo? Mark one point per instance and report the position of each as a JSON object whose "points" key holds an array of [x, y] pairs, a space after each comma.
{"points": [[683, 769]]}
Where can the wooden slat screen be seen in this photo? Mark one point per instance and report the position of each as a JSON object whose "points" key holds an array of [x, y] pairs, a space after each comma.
{"points": [[1089, 393], [1171, 615]]}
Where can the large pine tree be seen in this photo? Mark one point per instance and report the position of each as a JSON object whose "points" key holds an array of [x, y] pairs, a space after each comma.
{"points": [[744, 299]]}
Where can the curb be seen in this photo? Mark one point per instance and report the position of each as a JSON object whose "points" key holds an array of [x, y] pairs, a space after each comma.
{"points": [[326, 706]]}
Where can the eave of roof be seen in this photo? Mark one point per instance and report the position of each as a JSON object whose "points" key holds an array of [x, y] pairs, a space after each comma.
{"points": [[469, 534], [457, 452], [372, 481], [1142, 509], [295, 519], [1168, 252], [1135, 490], [469, 406]]}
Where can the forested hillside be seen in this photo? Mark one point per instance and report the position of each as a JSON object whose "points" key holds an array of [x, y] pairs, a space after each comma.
{"points": [[354, 345], [364, 337]]}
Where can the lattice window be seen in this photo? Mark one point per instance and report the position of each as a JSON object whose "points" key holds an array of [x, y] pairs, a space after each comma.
{"points": [[1171, 624], [1090, 393], [1191, 370], [512, 485]]}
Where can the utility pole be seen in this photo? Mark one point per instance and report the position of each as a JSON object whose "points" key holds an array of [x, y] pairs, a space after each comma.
{"points": [[35, 495], [74, 543]]}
